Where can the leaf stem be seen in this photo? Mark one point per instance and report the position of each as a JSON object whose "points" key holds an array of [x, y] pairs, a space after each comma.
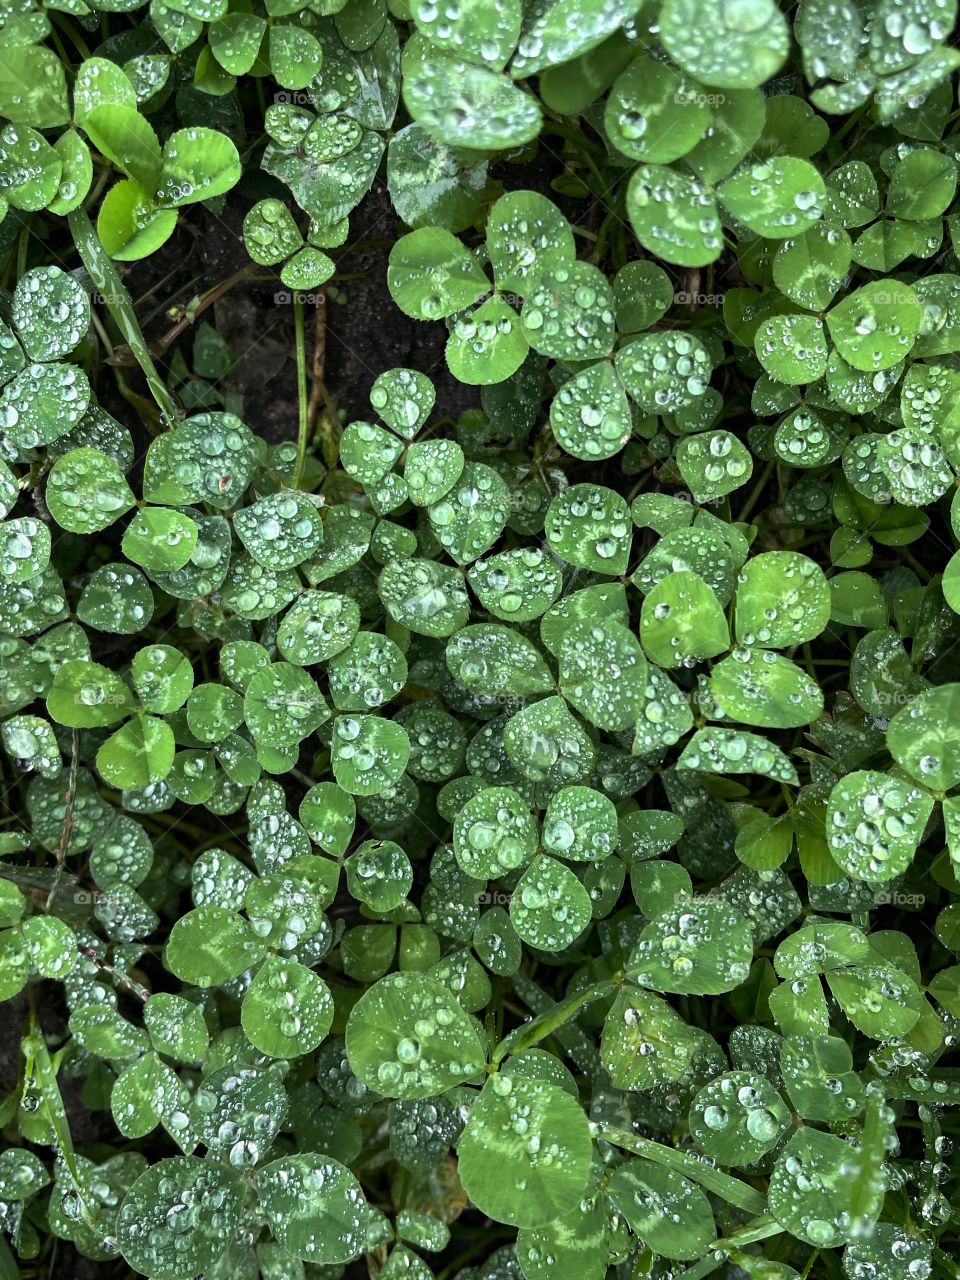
{"points": [[760, 1228], [64, 842], [303, 399], [117, 301], [755, 492], [544, 1024], [735, 1192], [39, 1067]]}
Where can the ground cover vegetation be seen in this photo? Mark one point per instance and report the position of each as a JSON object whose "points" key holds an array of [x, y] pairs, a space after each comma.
{"points": [[495, 813]]}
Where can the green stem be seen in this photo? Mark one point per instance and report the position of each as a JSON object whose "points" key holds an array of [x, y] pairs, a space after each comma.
{"points": [[578, 142], [69, 29], [39, 1067], [63, 845], [575, 1041], [735, 1192], [23, 246], [303, 399], [117, 301], [755, 492], [544, 1024], [761, 1228]]}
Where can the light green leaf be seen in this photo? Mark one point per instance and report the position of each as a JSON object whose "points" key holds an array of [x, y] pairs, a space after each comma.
{"points": [[514, 1126], [177, 1214], [464, 105], [924, 737], [315, 1208], [681, 621], [726, 46], [782, 600], [874, 824], [698, 947], [407, 1037], [211, 945], [675, 217], [287, 1009], [603, 673], [875, 327], [431, 275], [776, 198], [550, 908], [669, 1213], [761, 688]]}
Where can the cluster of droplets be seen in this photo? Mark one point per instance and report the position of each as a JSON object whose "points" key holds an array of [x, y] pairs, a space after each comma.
{"points": [[159, 1230], [470, 518], [331, 137], [733, 751], [569, 313], [89, 491], [549, 909], [590, 415], [50, 311], [515, 582], [664, 372], [737, 1104], [24, 548], [280, 531], [319, 625], [494, 832], [255, 591], [520, 1120], [802, 440], [423, 593], [586, 515], [914, 466], [717, 463], [368, 674], [868, 824], [431, 469], [544, 42], [414, 1064], [43, 403], [480, 333], [270, 233], [673, 210], [468, 105], [403, 398], [211, 456]]}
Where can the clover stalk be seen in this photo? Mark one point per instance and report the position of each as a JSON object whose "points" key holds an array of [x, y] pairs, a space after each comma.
{"points": [[303, 400], [118, 302]]}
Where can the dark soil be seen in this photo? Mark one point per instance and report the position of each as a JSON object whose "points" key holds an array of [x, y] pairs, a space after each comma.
{"points": [[363, 334]]}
